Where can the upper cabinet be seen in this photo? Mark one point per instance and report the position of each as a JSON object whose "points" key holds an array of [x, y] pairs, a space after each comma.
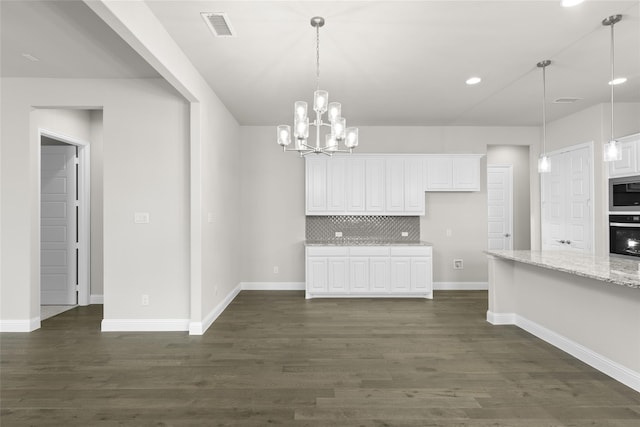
{"points": [[629, 164], [453, 172], [384, 184]]}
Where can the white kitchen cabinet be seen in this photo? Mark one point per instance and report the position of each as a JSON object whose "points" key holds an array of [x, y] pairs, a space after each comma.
{"points": [[629, 164], [336, 195], [374, 186], [566, 194], [372, 271], [459, 172], [316, 185], [356, 185], [413, 185], [394, 192]]}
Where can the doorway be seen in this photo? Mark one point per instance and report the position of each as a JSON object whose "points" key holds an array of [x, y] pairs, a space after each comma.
{"points": [[64, 223]]}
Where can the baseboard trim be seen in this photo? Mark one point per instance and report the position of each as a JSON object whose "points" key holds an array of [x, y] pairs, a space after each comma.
{"points": [[501, 318], [145, 325], [96, 299], [272, 286], [460, 286], [199, 328], [19, 325]]}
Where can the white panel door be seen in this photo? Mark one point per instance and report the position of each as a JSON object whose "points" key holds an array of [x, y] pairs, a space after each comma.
{"points": [[338, 274], [553, 204], [466, 173], [395, 185], [336, 184], [400, 274], [379, 274], [316, 175], [578, 221], [500, 207], [356, 173], [421, 275], [58, 225], [439, 173], [374, 187], [413, 186], [317, 274], [359, 274]]}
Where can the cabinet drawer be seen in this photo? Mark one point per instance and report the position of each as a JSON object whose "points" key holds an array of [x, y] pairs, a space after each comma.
{"points": [[327, 251], [411, 251], [369, 251]]}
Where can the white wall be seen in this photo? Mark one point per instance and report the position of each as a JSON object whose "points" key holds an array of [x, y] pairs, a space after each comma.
{"points": [[272, 201], [146, 169]]}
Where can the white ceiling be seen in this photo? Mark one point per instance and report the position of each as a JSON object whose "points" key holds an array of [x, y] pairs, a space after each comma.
{"points": [[388, 62]]}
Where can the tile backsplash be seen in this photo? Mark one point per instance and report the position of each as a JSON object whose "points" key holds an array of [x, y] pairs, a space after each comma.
{"points": [[356, 228]]}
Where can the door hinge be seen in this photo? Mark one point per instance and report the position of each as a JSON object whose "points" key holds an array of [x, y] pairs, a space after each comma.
{"points": [[77, 288], [76, 160]]}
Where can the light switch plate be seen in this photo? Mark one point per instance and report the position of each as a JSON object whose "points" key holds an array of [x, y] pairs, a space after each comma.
{"points": [[338, 233], [404, 234], [141, 217]]}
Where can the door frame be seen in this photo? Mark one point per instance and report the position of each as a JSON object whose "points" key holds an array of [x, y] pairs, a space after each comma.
{"points": [[84, 208], [509, 169]]}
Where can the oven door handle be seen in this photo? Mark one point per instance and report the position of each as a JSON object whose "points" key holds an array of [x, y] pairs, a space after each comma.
{"points": [[623, 224]]}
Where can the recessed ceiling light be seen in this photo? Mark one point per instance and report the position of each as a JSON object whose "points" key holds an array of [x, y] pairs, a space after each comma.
{"points": [[570, 3], [618, 81], [473, 80], [30, 57]]}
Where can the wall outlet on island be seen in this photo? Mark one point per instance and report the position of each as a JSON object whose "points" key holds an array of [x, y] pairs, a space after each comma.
{"points": [[276, 269], [458, 264], [145, 299], [404, 234], [338, 233]]}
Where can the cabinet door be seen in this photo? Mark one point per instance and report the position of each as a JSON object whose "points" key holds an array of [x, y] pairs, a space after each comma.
{"points": [[316, 184], [335, 184], [466, 173], [439, 173], [359, 274], [628, 164], [338, 274], [374, 187], [379, 274], [317, 274], [413, 186], [356, 172], [421, 275], [400, 274], [394, 195]]}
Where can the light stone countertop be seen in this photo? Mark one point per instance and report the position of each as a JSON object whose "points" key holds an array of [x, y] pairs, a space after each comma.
{"points": [[366, 243], [611, 269]]}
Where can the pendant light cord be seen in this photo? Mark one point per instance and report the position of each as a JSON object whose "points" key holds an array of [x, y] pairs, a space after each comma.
{"points": [[612, 77], [544, 113], [318, 57]]}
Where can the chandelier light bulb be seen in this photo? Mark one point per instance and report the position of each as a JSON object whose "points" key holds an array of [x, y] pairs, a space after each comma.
{"points": [[300, 110], [612, 151], [302, 128], [330, 142], [320, 101], [351, 140], [334, 111], [284, 135], [544, 164], [338, 127]]}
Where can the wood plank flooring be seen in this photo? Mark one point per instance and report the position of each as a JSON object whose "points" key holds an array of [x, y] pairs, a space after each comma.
{"points": [[273, 358]]}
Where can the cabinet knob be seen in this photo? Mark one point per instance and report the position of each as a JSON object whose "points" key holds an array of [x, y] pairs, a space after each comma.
{"points": [[562, 241], [507, 235], [568, 242]]}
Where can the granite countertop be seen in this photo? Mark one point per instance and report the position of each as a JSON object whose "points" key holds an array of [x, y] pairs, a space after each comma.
{"points": [[611, 269], [366, 243]]}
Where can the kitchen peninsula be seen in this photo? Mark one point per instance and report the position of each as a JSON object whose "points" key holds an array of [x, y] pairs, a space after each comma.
{"points": [[586, 305]]}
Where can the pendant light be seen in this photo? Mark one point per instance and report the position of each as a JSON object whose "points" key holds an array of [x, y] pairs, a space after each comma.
{"points": [[612, 150], [544, 164], [338, 131]]}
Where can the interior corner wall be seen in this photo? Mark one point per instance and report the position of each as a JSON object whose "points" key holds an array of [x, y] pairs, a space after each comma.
{"points": [[146, 169], [273, 205], [594, 124], [97, 207]]}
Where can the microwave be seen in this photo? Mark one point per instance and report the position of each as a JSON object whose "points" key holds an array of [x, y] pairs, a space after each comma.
{"points": [[624, 194]]}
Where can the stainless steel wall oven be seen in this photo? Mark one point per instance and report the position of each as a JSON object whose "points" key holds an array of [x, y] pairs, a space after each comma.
{"points": [[624, 235], [624, 194]]}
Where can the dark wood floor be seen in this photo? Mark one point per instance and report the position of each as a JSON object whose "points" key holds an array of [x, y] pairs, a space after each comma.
{"points": [[273, 358]]}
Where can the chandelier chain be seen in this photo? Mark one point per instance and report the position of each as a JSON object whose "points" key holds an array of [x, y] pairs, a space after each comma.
{"points": [[318, 57], [544, 115]]}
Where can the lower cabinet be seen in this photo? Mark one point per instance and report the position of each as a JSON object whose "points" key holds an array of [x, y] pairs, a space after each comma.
{"points": [[369, 271]]}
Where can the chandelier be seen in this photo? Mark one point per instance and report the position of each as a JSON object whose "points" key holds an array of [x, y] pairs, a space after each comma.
{"points": [[339, 132]]}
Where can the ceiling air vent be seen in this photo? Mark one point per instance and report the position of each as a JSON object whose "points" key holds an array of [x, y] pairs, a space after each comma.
{"points": [[566, 100], [218, 23]]}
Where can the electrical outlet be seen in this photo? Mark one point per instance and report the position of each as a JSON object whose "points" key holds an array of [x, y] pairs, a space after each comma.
{"points": [[448, 232], [404, 234], [276, 269], [458, 264], [141, 217], [338, 233], [145, 299]]}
